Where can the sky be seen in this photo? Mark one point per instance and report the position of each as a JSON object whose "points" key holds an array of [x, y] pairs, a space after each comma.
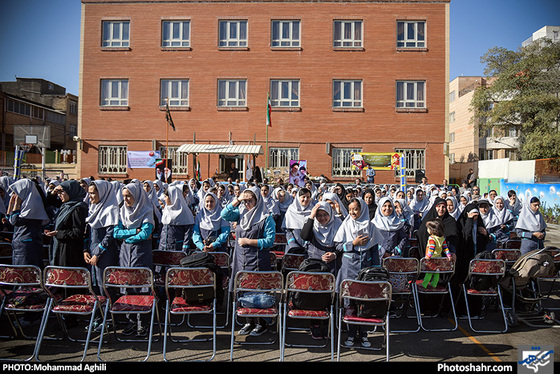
{"points": [[41, 38]]}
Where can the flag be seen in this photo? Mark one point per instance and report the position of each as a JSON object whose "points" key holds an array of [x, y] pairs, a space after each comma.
{"points": [[168, 117], [268, 107]]}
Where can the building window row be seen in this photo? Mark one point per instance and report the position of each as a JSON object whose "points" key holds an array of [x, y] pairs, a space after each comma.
{"points": [[283, 34], [283, 93]]}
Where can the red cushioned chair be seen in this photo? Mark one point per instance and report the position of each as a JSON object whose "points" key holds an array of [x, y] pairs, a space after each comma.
{"points": [[403, 273], [445, 269], [355, 291], [130, 278], [485, 268], [308, 284], [291, 262], [270, 282], [81, 301], [21, 288], [189, 279]]}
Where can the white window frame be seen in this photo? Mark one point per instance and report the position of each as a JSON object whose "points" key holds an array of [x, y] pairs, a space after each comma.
{"points": [[342, 162], [345, 34], [176, 37], [410, 98], [410, 36], [113, 38], [179, 160], [114, 92], [176, 90], [280, 157], [415, 160], [229, 37], [234, 93], [112, 159], [347, 93], [285, 30], [284, 93]]}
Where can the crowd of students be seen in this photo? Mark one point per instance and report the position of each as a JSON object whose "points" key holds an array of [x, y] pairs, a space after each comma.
{"points": [[100, 223]]}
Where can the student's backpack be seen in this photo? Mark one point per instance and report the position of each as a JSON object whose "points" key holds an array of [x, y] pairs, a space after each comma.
{"points": [[371, 309], [311, 301], [534, 264], [203, 295]]}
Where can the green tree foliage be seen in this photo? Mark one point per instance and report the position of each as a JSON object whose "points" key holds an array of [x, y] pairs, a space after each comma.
{"points": [[523, 91]]}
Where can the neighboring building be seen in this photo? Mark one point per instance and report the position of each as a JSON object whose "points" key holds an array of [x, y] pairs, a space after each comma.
{"points": [[343, 76], [466, 142], [550, 32], [35, 106]]}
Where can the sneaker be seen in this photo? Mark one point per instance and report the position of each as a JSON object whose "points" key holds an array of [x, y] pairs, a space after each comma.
{"points": [[141, 331], [258, 330], [365, 342], [349, 341], [245, 330], [130, 329]]}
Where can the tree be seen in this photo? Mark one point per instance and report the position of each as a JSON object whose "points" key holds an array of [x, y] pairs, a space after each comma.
{"points": [[524, 91]]}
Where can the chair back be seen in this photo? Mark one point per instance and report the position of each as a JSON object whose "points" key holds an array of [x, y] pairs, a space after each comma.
{"points": [[365, 290], [167, 258], [222, 259], [292, 261], [128, 277], [20, 275], [312, 282], [259, 281], [67, 277], [512, 244], [507, 255], [403, 271], [488, 267], [440, 265]]}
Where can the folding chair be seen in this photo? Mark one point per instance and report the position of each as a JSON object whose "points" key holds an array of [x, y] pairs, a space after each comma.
{"points": [[403, 273], [291, 262], [130, 278], [445, 269], [355, 291], [268, 282], [21, 288], [5, 253], [86, 303], [197, 280], [512, 244], [493, 271], [164, 260], [309, 285], [509, 256], [551, 280]]}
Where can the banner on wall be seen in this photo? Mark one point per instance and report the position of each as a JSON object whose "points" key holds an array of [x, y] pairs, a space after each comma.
{"points": [[142, 159], [298, 171], [377, 161]]}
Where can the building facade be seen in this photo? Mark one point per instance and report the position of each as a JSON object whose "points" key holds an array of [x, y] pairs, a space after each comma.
{"points": [[343, 77]]}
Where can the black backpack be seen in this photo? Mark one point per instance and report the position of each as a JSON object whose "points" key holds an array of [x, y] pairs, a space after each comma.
{"points": [[371, 309], [203, 295], [310, 301]]}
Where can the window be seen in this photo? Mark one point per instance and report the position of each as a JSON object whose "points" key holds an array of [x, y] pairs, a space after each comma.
{"points": [[280, 157], [347, 34], [233, 33], [347, 94], [114, 92], [342, 162], [232, 93], [18, 107], [452, 96], [451, 137], [112, 159], [452, 158], [176, 34], [411, 94], [285, 33], [176, 91], [411, 34], [179, 160], [116, 34], [451, 117], [284, 93], [415, 160]]}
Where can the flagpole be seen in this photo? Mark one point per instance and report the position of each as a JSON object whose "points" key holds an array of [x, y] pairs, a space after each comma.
{"points": [[267, 126], [167, 137]]}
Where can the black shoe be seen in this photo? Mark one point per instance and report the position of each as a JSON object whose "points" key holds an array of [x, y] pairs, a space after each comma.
{"points": [[130, 329]]}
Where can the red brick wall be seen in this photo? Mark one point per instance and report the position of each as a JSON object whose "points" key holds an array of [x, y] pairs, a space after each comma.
{"points": [[377, 129]]}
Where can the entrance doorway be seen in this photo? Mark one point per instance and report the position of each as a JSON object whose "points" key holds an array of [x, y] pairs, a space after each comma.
{"points": [[226, 162]]}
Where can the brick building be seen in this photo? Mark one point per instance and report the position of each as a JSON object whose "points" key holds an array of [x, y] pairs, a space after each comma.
{"points": [[343, 76]]}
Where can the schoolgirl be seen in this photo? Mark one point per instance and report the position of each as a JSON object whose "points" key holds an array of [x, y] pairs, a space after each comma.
{"points": [[530, 226], [295, 218], [392, 239], [210, 232], [177, 221]]}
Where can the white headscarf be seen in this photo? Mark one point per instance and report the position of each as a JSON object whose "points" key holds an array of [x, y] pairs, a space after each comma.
{"points": [[211, 220], [456, 210], [490, 219], [256, 214], [529, 220], [177, 213], [152, 196], [106, 212], [32, 203], [351, 228], [334, 197], [419, 206], [386, 223], [504, 215], [140, 212], [288, 199], [297, 214], [325, 234]]}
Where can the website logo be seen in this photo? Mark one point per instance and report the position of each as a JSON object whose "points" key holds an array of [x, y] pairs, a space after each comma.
{"points": [[535, 359]]}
